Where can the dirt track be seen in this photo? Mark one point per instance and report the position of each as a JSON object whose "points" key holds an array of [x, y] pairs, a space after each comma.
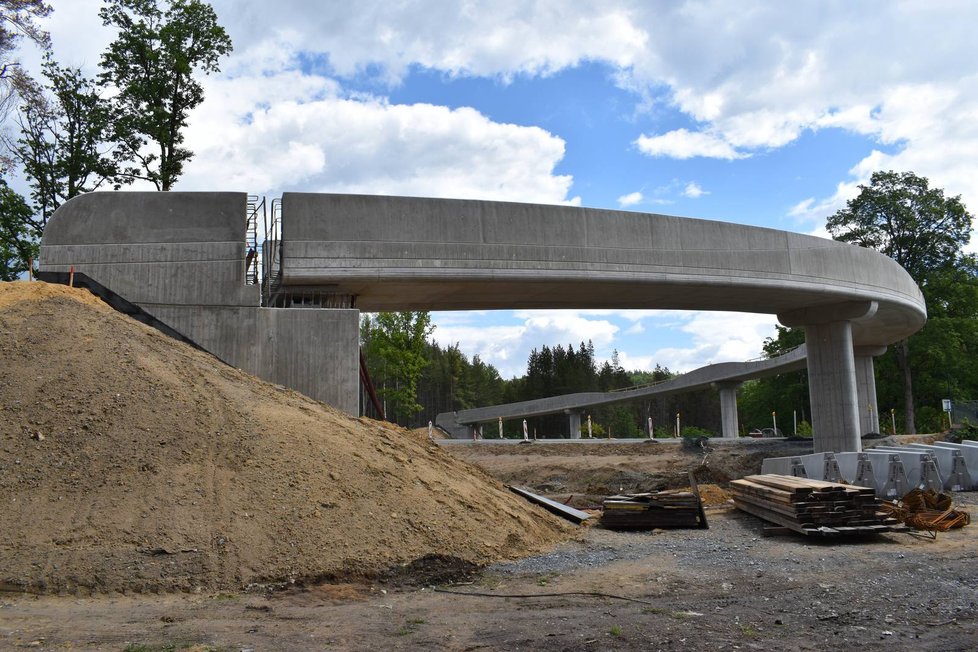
{"points": [[725, 588]]}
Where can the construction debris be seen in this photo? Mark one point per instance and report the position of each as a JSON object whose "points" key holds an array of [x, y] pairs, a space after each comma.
{"points": [[565, 511], [660, 509], [811, 507], [927, 510]]}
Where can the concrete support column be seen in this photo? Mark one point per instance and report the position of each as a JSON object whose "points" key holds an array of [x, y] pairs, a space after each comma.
{"points": [[574, 419], [869, 416], [832, 372], [728, 409], [832, 387]]}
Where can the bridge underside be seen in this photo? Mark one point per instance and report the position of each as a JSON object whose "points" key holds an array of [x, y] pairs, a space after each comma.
{"points": [[184, 258]]}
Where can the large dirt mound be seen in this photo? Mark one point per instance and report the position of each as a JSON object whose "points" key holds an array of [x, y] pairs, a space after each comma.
{"points": [[131, 462]]}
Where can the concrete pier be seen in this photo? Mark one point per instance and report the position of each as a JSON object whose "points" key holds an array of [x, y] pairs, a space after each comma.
{"points": [[728, 409]]}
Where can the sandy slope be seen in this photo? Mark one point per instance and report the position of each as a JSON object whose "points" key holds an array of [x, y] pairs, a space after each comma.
{"points": [[129, 461]]}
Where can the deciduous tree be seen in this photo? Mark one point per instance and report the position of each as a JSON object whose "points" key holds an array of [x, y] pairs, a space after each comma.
{"points": [[900, 215], [18, 19], [152, 64]]}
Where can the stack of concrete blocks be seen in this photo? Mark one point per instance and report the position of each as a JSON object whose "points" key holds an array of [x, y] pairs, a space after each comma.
{"points": [[921, 467], [792, 466], [883, 472], [891, 471], [816, 466], [951, 465]]}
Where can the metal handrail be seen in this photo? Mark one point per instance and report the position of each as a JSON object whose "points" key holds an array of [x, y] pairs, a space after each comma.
{"points": [[272, 250], [255, 204]]}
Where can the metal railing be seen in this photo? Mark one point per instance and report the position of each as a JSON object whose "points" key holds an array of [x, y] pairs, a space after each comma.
{"points": [[271, 252], [255, 206]]}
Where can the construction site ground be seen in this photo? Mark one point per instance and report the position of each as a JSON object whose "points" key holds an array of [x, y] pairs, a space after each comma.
{"points": [[154, 499], [725, 588]]}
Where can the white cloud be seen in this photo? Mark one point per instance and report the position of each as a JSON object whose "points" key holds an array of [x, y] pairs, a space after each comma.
{"points": [[499, 38], [716, 337], [507, 347], [684, 144], [693, 190], [631, 199], [315, 138]]}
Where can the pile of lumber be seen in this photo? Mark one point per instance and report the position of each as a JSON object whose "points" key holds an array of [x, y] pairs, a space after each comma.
{"points": [[661, 509], [812, 507]]}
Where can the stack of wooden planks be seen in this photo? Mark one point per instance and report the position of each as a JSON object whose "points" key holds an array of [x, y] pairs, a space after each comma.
{"points": [[660, 509], [811, 507]]}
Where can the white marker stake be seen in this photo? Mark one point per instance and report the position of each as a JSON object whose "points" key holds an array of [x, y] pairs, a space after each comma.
{"points": [[430, 429], [589, 433], [500, 427], [526, 435], [651, 432]]}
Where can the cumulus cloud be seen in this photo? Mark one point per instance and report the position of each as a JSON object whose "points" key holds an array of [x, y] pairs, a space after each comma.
{"points": [[684, 144], [693, 190], [631, 199], [716, 337], [500, 38], [317, 140]]}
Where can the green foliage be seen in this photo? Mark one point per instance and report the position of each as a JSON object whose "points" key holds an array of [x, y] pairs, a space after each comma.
{"points": [[451, 382], [152, 63], [18, 19], [597, 430], [65, 128], [395, 343], [18, 235], [968, 431], [787, 339], [901, 216], [804, 429], [694, 431]]}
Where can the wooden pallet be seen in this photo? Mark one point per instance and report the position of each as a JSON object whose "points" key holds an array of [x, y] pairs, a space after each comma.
{"points": [[811, 507]]}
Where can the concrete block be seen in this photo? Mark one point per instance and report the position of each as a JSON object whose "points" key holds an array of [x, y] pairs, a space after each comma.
{"points": [[792, 466], [920, 466]]}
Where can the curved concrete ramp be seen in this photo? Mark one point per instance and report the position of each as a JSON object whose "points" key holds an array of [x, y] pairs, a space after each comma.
{"points": [[182, 258], [459, 424], [407, 253]]}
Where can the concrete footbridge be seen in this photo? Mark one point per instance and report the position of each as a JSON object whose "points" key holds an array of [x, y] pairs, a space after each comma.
{"points": [[725, 376], [185, 259]]}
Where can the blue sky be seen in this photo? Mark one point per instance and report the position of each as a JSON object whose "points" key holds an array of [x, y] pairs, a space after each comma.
{"points": [[753, 112]]}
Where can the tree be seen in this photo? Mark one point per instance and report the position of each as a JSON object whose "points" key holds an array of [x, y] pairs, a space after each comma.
{"points": [[17, 20], [63, 147], [901, 216], [18, 235], [395, 350], [152, 63]]}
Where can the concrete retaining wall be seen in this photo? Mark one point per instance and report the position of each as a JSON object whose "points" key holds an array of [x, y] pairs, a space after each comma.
{"points": [[181, 258]]}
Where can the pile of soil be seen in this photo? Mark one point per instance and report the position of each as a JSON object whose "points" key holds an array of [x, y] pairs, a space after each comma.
{"points": [[132, 462]]}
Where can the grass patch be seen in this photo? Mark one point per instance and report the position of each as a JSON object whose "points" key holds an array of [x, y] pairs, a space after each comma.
{"points": [[615, 631], [410, 627], [545, 580], [749, 631]]}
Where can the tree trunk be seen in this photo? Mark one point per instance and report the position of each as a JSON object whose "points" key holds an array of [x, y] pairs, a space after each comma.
{"points": [[903, 364]]}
